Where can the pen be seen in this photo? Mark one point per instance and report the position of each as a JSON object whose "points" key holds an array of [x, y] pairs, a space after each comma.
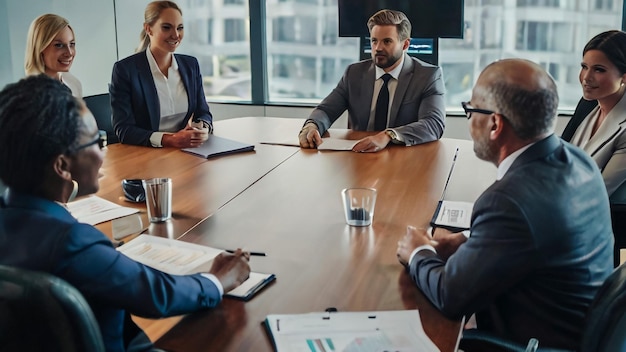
{"points": [[257, 254]]}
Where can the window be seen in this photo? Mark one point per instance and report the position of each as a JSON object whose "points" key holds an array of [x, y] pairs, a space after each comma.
{"points": [[234, 30], [305, 57]]}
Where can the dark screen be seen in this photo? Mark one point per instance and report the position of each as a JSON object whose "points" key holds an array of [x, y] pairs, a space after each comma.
{"points": [[429, 18]]}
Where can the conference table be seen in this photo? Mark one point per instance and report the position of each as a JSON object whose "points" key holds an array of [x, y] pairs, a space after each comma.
{"points": [[285, 201]]}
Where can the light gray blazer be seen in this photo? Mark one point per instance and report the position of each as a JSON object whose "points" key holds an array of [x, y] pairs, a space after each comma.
{"points": [[608, 148], [417, 111]]}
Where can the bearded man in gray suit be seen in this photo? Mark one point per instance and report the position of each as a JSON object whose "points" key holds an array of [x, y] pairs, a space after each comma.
{"points": [[414, 108]]}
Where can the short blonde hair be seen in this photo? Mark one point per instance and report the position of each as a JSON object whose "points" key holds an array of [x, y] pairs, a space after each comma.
{"points": [[151, 15], [40, 34]]}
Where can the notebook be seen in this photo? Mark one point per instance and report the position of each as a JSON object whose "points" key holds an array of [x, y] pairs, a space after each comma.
{"points": [[217, 146]]}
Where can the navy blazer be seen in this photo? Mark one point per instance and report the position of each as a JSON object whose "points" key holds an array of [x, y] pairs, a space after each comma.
{"points": [[541, 245], [135, 101], [418, 109], [41, 235]]}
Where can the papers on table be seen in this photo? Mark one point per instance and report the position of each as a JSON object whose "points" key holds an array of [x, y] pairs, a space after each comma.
{"points": [[455, 216], [329, 143], [349, 331], [94, 210], [182, 258]]}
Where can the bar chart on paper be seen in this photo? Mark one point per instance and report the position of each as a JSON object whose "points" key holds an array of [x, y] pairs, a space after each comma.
{"points": [[349, 332]]}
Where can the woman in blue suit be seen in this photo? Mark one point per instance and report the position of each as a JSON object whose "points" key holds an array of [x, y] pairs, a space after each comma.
{"points": [[55, 156], [157, 96]]}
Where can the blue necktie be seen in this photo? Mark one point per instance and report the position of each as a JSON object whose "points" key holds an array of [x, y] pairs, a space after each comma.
{"points": [[382, 105]]}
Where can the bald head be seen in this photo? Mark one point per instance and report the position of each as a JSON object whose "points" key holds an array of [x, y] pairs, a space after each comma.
{"points": [[524, 74], [524, 93]]}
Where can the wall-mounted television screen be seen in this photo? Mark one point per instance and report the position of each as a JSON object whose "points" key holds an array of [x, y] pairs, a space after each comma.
{"points": [[423, 46], [424, 49], [429, 18]]}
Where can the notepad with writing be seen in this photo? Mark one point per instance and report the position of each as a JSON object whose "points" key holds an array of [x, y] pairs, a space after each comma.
{"points": [[183, 258], [349, 331], [217, 146]]}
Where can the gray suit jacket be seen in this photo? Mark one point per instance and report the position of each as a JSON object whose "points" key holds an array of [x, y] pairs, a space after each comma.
{"points": [[417, 111], [541, 245], [607, 146]]}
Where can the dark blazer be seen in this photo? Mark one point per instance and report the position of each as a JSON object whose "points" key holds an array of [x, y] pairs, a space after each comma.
{"points": [[541, 245], [417, 110], [135, 102], [41, 235], [583, 109]]}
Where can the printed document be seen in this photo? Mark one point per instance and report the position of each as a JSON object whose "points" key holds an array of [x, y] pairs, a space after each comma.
{"points": [[349, 332]]}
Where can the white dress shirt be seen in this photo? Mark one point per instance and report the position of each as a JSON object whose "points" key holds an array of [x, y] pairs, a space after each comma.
{"points": [[172, 95], [391, 86]]}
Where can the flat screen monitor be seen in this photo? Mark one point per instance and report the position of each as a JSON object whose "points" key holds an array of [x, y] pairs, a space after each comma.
{"points": [[429, 18], [424, 49]]}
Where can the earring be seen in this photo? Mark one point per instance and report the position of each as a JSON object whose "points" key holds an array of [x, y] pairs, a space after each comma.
{"points": [[74, 191]]}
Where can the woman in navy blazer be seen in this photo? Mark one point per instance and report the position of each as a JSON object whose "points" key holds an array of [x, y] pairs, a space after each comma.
{"points": [[157, 97], [56, 156]]}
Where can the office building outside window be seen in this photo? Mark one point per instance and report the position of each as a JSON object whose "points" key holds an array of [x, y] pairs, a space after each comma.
{"points": [[306, 58]]}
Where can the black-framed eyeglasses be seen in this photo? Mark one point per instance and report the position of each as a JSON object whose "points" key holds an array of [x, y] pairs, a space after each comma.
{"points": [[101, 141], [469, 110]]}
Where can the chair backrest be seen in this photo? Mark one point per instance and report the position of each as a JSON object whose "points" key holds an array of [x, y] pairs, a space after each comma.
{"points": [[40, 312], [100, 107], [605, 328], [618, 220]]}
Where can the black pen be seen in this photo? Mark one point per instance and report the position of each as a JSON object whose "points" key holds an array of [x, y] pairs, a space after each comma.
{"points": [[257, 254]]}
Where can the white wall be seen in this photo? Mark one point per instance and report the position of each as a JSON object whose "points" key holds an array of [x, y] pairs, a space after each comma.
{"points": [[94, 29]]}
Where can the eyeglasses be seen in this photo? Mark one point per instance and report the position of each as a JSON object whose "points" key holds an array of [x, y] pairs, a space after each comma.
{"points": [[101, 141], [469, 110]]}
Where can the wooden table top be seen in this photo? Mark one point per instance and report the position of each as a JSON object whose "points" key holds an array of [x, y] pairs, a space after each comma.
{"points": [[286, 202]]}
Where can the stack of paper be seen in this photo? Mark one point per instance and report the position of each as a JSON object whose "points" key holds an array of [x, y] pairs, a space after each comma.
{"points": [[182, 258], [328, 143], [94, 210]]}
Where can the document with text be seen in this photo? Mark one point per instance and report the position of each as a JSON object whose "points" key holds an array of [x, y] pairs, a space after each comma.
{"points": [[329, 143], [453, 215], [183, 258], [93, 210], [349, 332]]}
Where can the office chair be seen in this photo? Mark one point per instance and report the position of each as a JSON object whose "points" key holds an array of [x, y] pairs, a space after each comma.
{"points": [[618, 221], [40, 312], [604, 328], [100, 107]]}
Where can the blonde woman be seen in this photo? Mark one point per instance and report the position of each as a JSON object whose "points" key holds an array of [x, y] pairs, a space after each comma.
{"points": [[157, 96], [50, 49]]}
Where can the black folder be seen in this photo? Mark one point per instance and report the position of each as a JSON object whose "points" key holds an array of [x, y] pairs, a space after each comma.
{"points": [[217, 146]]}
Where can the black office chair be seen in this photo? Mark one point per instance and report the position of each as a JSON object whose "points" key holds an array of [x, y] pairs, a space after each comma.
{"points": [[604, 329], [100, 106], [40, 312], [618, 220]]}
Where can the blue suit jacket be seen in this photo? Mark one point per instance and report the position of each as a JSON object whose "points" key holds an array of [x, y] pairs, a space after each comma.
{"points": [[417, 111], [41, 235], [541, 245], [135, 102]]}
